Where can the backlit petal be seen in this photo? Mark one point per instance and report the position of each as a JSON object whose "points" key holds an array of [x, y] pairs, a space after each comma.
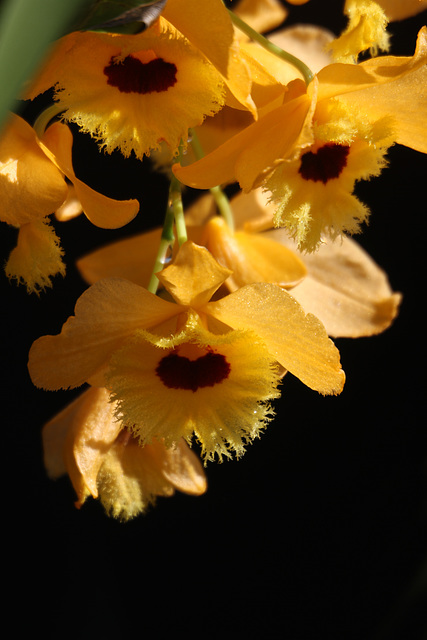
{"points": [[297, 341], [252, 257], [31, 186], [194, 275], [344, 288], [102, 211], [105, 315], [208, 26]]}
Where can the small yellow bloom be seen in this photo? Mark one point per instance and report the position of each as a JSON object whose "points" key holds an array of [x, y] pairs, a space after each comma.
{"points": [[193, 366], [131, 92], [104, 461]]}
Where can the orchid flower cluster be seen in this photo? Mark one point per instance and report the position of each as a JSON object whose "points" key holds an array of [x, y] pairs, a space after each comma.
{"points": [[185, 333]]}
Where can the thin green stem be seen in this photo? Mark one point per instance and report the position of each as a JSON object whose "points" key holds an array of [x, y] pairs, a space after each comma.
{"points": [[307, 74], [219, 196], [174, 217], [166, 242]]}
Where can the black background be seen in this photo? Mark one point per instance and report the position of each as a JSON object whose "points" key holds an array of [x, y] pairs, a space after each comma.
{"points": [[318, 531]]}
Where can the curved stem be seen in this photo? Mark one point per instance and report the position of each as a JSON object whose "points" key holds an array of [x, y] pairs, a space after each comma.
{"points": [[307, 74], [174, 216]]}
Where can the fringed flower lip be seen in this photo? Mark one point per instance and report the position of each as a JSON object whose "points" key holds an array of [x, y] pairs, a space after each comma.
{"points": [[132, 92], [115, 320], [103, 460]]}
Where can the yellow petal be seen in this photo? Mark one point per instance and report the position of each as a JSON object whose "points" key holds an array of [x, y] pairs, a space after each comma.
{"points": [[208, 26], [31, 186], [180, 466], [78, 438], [132, 258], [105, 315], [102, 211], [37, 256], [385, 86], [252, 257], [344, 288], [297, 341], [402, 94], [253, 151], [194, 275]]}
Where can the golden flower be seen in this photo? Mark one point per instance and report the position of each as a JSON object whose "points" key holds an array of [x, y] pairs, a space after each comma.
{"points": [[104, 461], [132, 92], [339, 283], [32, 187], [193, 366], [324, 138]]}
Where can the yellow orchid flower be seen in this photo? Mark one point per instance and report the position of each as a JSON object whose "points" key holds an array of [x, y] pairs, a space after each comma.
{"points": [[192, 366], [104, 461], [32, 187], [322, 139], [132, 92], [340, 283]]}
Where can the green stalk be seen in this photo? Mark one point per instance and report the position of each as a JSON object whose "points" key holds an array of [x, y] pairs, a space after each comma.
{"points": [[174, 217], [307, 74]]}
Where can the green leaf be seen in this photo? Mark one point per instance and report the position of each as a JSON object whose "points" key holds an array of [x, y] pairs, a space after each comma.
{"points": [[108, 15], [27, 29]]}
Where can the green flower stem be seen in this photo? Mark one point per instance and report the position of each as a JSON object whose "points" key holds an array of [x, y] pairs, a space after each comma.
{"points": [[174, 217], [308, 75], [223, 204], [40, 125], [220, 198], [166, 243]]}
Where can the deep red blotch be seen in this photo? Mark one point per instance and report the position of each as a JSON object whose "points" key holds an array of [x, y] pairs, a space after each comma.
{"points": [[133, 76], [324, 164], [178, 372]]}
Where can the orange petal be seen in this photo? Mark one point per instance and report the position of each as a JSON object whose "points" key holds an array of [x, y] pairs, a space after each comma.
{"points": [[31, 187], [297, 341], [194, 275], [208, 26], [101, 210], [255, 150], [105, 315], [252, 257], [344, 288]]}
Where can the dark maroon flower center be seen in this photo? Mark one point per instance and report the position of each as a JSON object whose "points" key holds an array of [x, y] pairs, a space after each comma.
{"points": [[133, 76], [324, 164], [178, 372]]}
